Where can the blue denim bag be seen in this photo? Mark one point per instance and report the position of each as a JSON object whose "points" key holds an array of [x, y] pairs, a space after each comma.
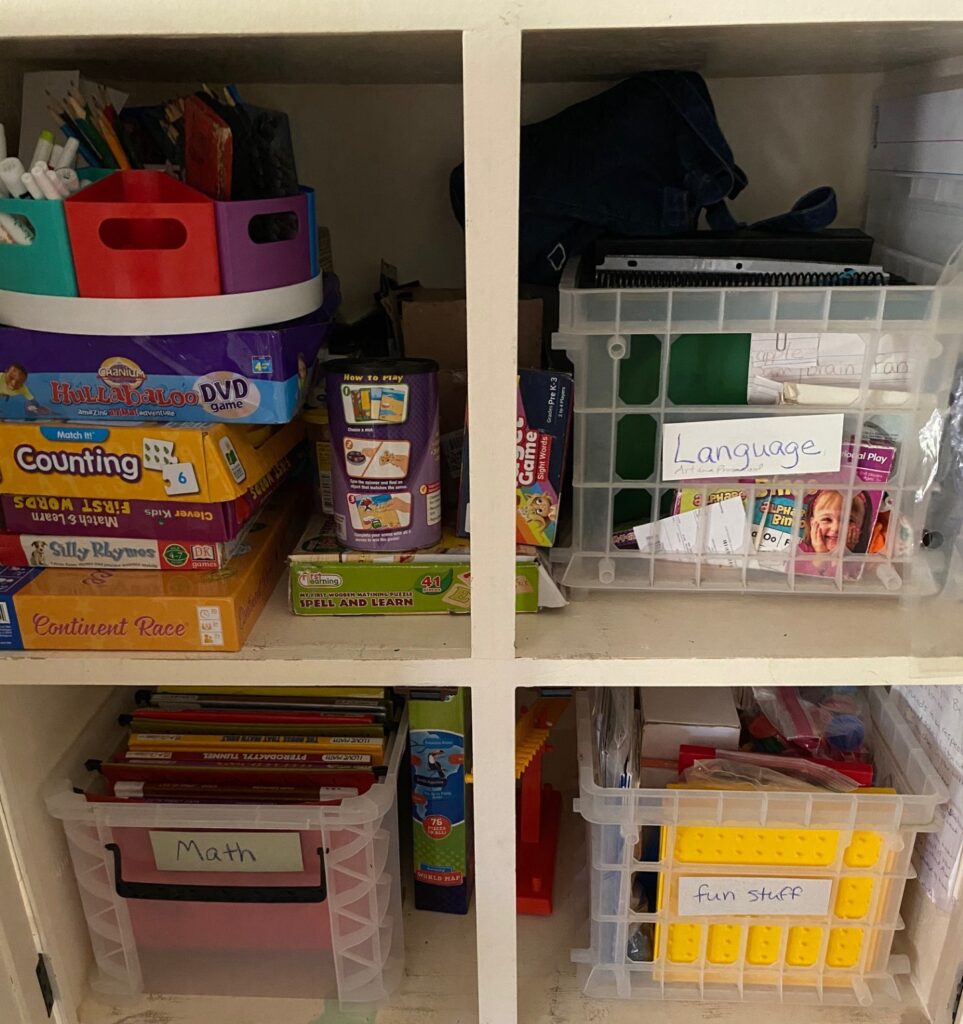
{"points": [[641, 159]]}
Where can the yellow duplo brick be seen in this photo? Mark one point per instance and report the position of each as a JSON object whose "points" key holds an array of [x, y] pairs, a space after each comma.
{"points": [[853, 897], [763, 948], [724, 940], [798, 847], [863, 851], [803, 947], [683, 944], [844, 947]]}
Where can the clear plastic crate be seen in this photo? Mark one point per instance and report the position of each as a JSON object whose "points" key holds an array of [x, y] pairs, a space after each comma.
{"points": [[331, 929], [644, 358], [860, 844]]}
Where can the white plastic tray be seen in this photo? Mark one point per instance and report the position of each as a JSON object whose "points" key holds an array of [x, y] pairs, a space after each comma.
{"points": [[66, 315]]}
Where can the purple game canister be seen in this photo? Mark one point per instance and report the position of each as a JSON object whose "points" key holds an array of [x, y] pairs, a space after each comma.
{"points": [[385, 455]]}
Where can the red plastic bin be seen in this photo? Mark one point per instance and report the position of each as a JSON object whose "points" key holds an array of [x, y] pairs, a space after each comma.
{"points": [[143, 235]]}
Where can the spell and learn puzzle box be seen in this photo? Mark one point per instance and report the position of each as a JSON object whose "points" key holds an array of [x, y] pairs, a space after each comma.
{"points": [[77, 609], [253, 375]]}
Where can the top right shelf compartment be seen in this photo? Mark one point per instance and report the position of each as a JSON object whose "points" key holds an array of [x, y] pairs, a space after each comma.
{"points": [[647, 360]]}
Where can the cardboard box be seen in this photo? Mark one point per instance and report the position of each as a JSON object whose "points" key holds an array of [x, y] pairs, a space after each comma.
{"points": [[543, 424], [151, 520], [433, 325], [440, 800], [254, 375], [326, 579], [672, 716], [73, 609], [150, 462]]}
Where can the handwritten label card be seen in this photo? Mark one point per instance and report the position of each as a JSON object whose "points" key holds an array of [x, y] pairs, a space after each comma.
{"points": [[758, 446], [227, 851], [724, 897]]}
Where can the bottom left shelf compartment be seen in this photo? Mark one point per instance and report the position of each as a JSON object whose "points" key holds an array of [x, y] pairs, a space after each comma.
{"points": [[251, 900]]}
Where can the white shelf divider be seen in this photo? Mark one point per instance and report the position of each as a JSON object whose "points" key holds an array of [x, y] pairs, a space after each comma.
{"points": [[492, 98]]}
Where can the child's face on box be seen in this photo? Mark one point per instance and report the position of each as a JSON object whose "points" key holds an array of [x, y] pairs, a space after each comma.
{"points": [[824, 521], [14, 378]]}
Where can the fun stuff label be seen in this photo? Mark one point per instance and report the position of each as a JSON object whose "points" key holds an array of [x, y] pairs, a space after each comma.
{"points": [[777, 897]]}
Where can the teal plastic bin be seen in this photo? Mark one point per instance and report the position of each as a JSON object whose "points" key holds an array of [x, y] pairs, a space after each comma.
{"points": [[47, 266]]}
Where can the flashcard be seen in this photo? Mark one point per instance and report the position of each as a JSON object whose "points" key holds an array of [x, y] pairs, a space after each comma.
{"points": [[180, 478]]}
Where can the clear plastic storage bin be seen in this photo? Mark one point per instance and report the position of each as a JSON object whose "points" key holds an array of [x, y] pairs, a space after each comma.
{"points": [[321, 919], [851, 850], [647, 358]]}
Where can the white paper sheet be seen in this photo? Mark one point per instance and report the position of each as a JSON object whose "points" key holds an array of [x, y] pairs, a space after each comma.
{"points": [[717, 529], [935, 714], [831, 358], [756, 446]]}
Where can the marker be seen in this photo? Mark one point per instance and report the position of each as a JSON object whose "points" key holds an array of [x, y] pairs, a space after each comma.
{"points": [[68, 154], [50, 191], [17, 228], [11, 173], [43, 149], [69, 177], [59, 186], [55, 154], [30, 184]]}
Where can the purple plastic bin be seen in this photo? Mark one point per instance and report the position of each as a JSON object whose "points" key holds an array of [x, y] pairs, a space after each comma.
{"points": [[249, 266]]}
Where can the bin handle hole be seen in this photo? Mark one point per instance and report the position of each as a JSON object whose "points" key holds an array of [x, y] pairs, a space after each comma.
{"points": [[282, 226], [143, 233]]}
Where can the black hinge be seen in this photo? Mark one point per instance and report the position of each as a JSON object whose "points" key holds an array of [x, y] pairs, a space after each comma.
{"points": [[43, 979]]}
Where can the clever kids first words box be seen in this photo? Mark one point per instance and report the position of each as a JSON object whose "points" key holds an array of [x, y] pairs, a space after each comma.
{"points": [[149, 462]]}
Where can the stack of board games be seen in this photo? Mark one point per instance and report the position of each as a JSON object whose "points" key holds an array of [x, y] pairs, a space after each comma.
{"points": [[267, 745], [162, 496]]}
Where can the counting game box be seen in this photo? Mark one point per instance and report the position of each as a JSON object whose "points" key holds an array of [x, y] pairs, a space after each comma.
{"points": [[144, 462]]}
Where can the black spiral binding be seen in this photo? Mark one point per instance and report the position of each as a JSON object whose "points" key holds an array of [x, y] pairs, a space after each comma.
{"points": [[718, 279]]}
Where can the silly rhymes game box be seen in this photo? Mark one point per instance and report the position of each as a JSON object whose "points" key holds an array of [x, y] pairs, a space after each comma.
{"points": [[544, 417], [254, 375]]}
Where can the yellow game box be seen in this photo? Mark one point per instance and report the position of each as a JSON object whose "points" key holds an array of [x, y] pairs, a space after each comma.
{"points": [[208, 463], [76, 609]]}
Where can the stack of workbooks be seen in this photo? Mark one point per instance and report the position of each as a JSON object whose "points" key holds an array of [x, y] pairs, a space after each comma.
{"points": [[249, 745]]}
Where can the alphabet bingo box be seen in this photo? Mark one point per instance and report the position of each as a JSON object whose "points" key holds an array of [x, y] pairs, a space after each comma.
{"points": [[150, 462], [273, 901], [78, 609], [253, 375], [760, 896]]}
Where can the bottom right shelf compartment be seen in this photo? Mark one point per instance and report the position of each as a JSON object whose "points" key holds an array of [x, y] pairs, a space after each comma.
{"points": [[699, 892]]}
